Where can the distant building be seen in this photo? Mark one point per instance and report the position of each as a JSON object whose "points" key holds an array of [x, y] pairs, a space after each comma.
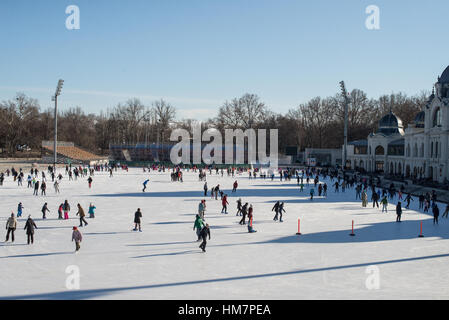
{"points": [[420, 152]]}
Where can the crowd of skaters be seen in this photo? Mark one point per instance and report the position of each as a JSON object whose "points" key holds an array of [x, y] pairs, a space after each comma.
{"points": [[310, 176]]}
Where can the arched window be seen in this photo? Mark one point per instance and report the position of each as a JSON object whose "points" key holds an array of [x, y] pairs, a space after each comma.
{"points": [[421, 153], [415, 151], [408, 150], [436, 149], [437, 118], [380, 151], [431, 149]]}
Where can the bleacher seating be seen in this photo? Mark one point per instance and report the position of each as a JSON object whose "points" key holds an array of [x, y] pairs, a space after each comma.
{"points": [[75, 153]]}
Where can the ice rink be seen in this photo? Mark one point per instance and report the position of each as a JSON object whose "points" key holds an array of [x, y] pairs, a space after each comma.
{"points": [[164, 261]]}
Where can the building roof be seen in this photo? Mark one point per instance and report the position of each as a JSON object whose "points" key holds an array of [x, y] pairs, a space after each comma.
{"points": [[398, 142], [390, 124], [419, 119], [444, 76], [359, 143]]}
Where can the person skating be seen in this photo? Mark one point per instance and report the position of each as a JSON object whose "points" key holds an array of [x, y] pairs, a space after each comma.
{"points": [[408, 199], [201, 208], [436, 213], [235, 186], [224, 203], [36, 189], [89, 181], [56, 185], [239, 207], [384, 204], [145, 185], [203, 234], [250, 220], [398, 212], [44, 211], [92, 211], [60, 211], [198, 225], [43, 188], [312, 192], [20, 208], [446, 212], [364, 199], [375, 198], [137, 220], [281, 209], [276, 210], [11, 225], [244, 213], [29, 227], [66, 210], [77, 237], [82, 214]]}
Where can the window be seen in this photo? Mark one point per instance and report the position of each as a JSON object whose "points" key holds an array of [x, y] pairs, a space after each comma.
{"points": [[380, 151], [437, 118]]}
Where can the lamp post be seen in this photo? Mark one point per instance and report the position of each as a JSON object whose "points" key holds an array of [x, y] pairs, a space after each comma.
{"points": [[55, 99], [346, 102]]}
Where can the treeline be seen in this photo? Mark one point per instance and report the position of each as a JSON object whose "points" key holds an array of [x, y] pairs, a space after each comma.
{"points": [[317, 123]]}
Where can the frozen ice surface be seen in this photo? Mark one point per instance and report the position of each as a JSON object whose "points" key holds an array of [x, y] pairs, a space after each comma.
{"points": [[164, 261]]}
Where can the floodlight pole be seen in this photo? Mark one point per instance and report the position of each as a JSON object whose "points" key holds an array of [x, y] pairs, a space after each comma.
{"points": [[346, 102], [56, 135], [55, 142]]}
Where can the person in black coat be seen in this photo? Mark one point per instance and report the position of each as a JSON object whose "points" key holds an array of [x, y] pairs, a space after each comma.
{"points": [[375, 198], [137, 219], [244, 213], [436, 213], [203, 234], [29, 227], [398, 212]]}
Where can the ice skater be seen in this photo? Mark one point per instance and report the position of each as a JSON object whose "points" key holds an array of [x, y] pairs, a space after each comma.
{"points": [[436, 213], [11, 226], [77, 237], [244, 213], [398, 212], [198, 226], [276, 210], [44, 211], [203, 234], [29, 227], [239, 207], [82, 214], [91, 211], [250, 220], [145, 185], [137, 220], [224, 203]]}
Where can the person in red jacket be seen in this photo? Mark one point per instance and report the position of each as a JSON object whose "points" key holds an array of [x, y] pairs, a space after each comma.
{"points": [[225, 203], [234, 189]]}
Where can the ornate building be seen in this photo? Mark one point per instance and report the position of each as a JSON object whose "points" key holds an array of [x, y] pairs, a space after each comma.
{"points": [[420, 152]]}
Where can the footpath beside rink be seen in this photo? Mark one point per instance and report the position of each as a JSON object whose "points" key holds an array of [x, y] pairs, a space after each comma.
{"points": [[164, 261]]}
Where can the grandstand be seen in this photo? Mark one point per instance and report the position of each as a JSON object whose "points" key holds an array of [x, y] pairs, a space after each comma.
{"points": [[69, 153]]}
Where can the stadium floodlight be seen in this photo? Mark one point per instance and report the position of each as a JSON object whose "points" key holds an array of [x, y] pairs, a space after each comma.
{"points": [[345, 95], [55, 99]]}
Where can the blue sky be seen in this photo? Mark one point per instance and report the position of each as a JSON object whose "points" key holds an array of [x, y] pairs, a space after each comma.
{"points": [[198, 53]]}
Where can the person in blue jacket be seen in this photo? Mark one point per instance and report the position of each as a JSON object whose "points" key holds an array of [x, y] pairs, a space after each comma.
{"points": [[145, 185]]}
